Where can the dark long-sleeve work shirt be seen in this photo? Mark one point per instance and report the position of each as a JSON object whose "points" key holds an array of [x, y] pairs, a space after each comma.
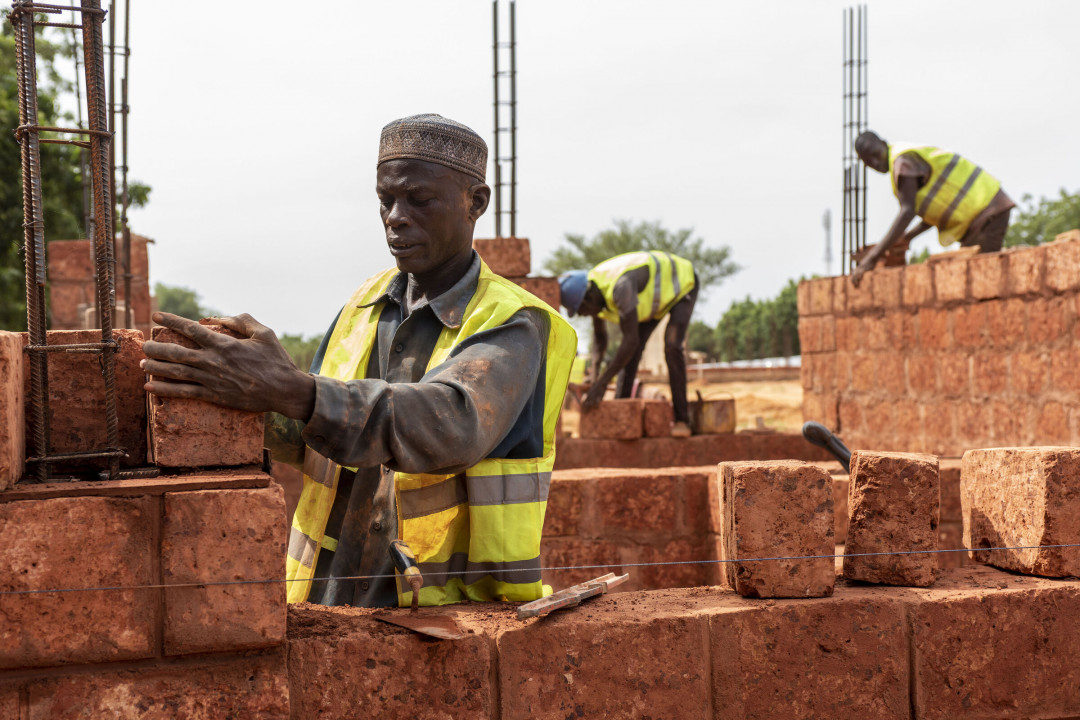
{"points": [[485, 400]]}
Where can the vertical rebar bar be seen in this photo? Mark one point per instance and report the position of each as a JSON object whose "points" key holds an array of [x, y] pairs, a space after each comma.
{"points": [[513, 123], [124, 228], [33, 223], [866, 112], [495, 154], [97, 105]]}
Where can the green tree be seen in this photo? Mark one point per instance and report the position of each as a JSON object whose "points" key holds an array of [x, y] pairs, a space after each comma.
{"points": [[753, 329], [181, 301], [1039, 222], [301, 349], [60, 176], [712, 264], [702, 338]]}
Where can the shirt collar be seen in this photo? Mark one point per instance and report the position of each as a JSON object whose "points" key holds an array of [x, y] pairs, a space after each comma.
{"points": [[449, 307]]}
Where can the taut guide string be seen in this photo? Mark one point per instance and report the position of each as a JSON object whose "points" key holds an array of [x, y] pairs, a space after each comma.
{"points": [[273, 581]]}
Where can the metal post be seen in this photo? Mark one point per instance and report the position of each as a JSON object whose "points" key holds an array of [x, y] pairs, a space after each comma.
{"points": [[513, 124], [125, 203], [104, 235], [495, 156], [33, 225]]}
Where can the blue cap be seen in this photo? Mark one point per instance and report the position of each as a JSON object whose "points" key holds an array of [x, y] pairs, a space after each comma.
{"points": [[572, 287]]}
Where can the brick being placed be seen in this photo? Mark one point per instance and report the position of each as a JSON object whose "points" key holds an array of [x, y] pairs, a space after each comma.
{"points": [[77, 397], [781, 508], [506, 256], [1023, 497], [893, 506], [194, 433], [12, 409], [613, 420]]}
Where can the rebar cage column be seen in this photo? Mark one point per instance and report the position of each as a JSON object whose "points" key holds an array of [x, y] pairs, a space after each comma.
{"points": [[509, 129], [99, 144], [855, 82]]}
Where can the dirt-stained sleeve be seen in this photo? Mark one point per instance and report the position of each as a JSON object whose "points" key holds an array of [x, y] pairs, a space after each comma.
{"points": [[445, 423]]}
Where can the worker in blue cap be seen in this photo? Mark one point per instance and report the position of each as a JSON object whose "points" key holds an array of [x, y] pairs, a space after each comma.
{"points": [[636, 290]]}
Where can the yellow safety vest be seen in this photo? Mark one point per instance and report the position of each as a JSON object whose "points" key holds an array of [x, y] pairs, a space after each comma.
{"points": [[486, 521], [957, 191], [670, 279]]}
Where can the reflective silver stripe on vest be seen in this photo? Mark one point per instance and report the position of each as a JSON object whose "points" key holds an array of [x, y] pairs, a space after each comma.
{"points": [[517, 571], [301, 548], [674, 273], [959, 196], [431, 499], [925, 204], [477, 490], [318, 468], [656, 284], [508, 489]]}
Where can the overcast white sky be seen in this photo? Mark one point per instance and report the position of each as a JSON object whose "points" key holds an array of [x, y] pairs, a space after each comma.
{"points": [[257, 125]]}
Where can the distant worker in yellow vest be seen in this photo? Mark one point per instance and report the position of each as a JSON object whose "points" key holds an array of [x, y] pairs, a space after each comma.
{"points": [[429, 413], [947, 191], [636, 290]]}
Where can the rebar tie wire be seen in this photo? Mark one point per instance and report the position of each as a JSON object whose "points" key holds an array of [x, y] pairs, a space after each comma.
{"points": [[274, 581]]}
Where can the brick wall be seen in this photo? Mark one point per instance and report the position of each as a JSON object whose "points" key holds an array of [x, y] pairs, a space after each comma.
{"points": [[945, 356], [981, 643], [198, 651]]}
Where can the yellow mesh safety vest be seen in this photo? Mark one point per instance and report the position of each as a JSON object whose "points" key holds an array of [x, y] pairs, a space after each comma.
{"points": [[670, 279], [957, 191], [486, 521]]}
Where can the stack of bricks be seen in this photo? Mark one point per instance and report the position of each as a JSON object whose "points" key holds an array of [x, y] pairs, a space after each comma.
{"points": [[72, 285], [512, 258], [195, 651], [944, 356]]}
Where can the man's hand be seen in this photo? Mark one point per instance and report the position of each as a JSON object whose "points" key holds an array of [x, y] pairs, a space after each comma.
{"points": [[594, 396], [252, 373]]}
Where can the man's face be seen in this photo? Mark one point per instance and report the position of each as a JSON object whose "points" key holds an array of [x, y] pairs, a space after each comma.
{"points": [[592, 303], [428, 211], [876, 155]]}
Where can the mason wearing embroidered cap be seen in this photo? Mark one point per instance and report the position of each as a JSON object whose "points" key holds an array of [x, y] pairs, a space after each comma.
{"points": [[947, 191], [429, 411], [636, 290]]}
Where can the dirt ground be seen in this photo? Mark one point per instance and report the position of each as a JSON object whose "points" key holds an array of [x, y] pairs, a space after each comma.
{"points": [[777, 403]]}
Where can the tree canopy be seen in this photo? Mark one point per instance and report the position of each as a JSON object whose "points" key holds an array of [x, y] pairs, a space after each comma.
{"points": [[181, 301], [751, 329], [1034, 223], [712, 264]]}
